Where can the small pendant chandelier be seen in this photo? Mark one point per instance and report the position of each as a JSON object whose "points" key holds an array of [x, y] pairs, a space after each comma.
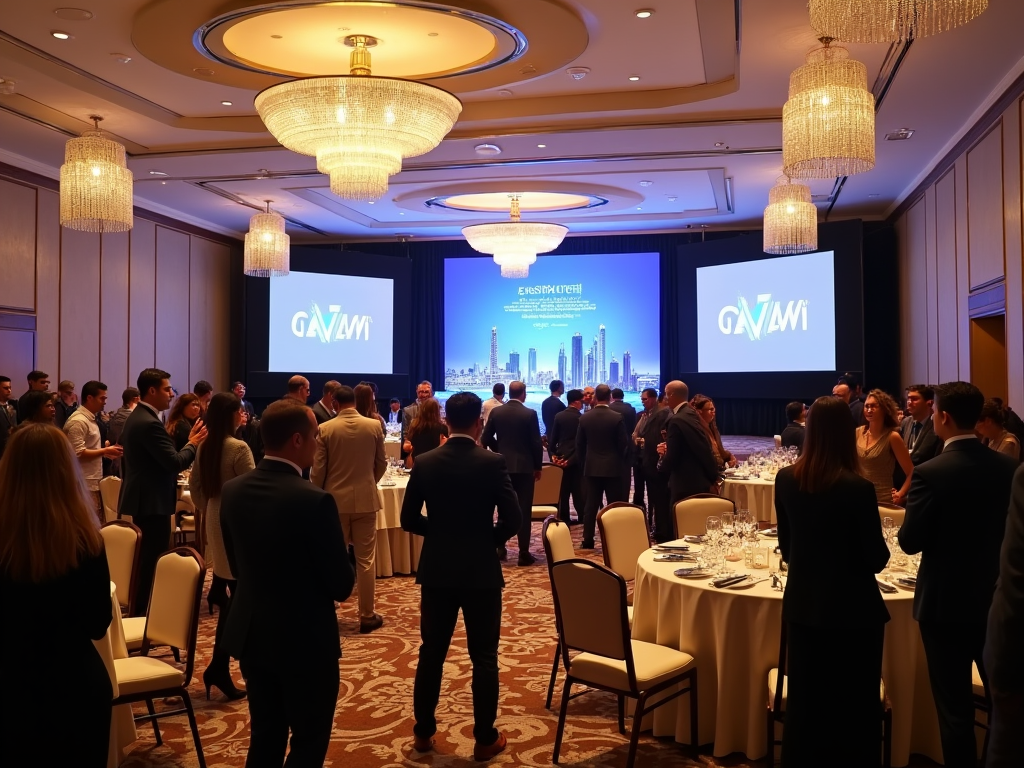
{"points": [[95, 184], [790, 220], [890, 21], [514, 243], [267, 245]]}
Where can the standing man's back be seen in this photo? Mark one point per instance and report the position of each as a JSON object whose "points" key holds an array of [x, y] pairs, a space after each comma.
{"points": [[687, 457], [602, 444], [550, 408]]}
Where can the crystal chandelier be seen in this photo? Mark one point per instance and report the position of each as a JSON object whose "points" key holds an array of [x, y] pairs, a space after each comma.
{"points": [[358, 127], [890, 21], [514, 243], [266, 245], [828, 124], [95, 184], [790, 220]]}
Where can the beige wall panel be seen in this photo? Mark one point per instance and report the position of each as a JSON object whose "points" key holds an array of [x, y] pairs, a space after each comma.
{"points": [[79, 306], [985, 208], [208, 299], [172, 305], [47, 286], [17, 246], [916, 304], [948, 357], [963, 321], [931, 283], [114, 312], [141, 298], [906, 339], [17, 352], [1014, 278]]}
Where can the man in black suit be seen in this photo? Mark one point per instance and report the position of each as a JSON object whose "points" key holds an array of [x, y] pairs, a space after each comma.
{"points": [[956, 512], [461, 484], [282, 626], [793, 434], [686, 451], [37, 382], [513, 431], [602, 444], [917, 429], [628, 414], [323, 409], [562, 447], [8, 413], [239, 389], [549, 409], [849, 391], [394, 414], [659, 508], [150, 468]]}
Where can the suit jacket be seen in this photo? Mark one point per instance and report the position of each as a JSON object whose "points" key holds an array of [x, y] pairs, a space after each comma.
{"points": [[562, 437], [461, 484], [8, 421], [793, 434], [399, 416], [1005, 637], [657, 420], [549, 409], [513, 431], [849, 594], [285, 547], [349, 461], [320, 413], [927, 446], [602, 443], [689, 460], [956, 514], [150, 465], [628, 414], [857, 410]]}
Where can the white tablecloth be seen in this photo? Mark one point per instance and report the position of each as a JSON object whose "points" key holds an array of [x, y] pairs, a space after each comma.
{"points": [[755, 494], [734, 636], [397, 551], [112, 646]]}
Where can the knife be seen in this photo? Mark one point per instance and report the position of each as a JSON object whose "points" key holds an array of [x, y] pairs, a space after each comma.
{"points": [[725, 582], [889, 589]]}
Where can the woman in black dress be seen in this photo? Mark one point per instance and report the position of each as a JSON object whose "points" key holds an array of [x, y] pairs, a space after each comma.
{"points": [[831, 537], [427, 432], [182, 418], [55, 600]]}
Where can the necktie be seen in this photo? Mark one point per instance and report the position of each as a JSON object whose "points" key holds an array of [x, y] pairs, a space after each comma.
{"points": [[914, 432]]}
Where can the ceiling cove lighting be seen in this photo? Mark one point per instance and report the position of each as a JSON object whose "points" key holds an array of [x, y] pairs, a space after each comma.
{"points": [[890, 21], [828, 123], [514, 243], [267, 246], [359, 127], [790, 220], [95, 184]]}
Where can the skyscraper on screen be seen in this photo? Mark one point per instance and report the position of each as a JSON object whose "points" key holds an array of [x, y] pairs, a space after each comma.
{"points": [[603, 369], [592, 373], [613, 372], [577, 360], [591, 368], [494, 349], [513, 363], [627, 371], [561, 362], [531, 364]]}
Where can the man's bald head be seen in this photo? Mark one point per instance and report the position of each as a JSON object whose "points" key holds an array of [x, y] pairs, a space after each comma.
{"points": [[676, 392]]}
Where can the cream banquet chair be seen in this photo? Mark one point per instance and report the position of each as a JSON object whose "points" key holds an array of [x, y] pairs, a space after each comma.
{"points": [[891, 510], [173, 620], [981, 706], [557, 547], [110, 491], [122, 542], [689, 518], [624, 537], [546, 491], [590, 610]]}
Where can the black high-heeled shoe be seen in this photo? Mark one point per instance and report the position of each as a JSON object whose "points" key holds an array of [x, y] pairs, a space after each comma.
{"points": [[224, 683]]}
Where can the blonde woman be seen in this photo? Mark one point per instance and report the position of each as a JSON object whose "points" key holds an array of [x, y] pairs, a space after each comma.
{"points": [[880, 448], [55, 600]]}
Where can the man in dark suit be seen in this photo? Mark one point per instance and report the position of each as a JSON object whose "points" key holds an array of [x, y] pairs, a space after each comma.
{"points": [[686, 451], [917, 429], [37, 382], [461, 484], [562, 447], [659, 509], [602, 444], [282, 626], [394, 414], [323, 409], [513, 431], [628, 414], [1004, 641], [793, 434], [239, 389], [957, 500], [8, 413], [849, 391], [550, 408], [424, 391], [150, 468]]}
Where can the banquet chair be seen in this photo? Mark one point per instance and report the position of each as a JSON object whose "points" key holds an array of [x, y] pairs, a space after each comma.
{"points": [[624, 537], [689, 518], [981, 706], [891, 510], [557, 547], [777, 707], [590, 609], [172, 619], [546, 491], [122, 541], [110, 490]]}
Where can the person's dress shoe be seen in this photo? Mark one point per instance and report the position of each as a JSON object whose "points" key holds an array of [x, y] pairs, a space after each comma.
{"points": [[525, 558], [366, 626], [486, 752], [502, 553], [587, 544], [224, 683], [423, 745]]}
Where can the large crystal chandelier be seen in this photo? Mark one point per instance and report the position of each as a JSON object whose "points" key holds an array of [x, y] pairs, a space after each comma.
{"points": [[890, 21], [359, 127], [95, 184], [790, 220], [514, 243], [267, 245], [828, 124]]}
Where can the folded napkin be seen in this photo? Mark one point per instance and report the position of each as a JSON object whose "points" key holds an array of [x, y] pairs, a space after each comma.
{"points": [[725, 581], [889, 589], [674, 557], [693, 539]]}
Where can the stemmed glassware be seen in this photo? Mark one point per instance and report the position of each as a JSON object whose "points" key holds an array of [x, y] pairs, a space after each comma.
{"points": [[713, 530]]}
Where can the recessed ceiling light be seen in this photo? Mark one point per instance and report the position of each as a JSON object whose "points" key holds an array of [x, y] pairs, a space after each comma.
{"points": [[164, 183], [644, 13], [157, 173], [901, 135], [60, 35], [371, 202], [488, 150], [646, 183], [634, 78], [121, 58], [874, 194], [401, 213], [577, 73], [73, 14], [541, 146], [504, 92], [226, 103], [276, 37], [204, 71], [672, 198], [431, 34], [6, 86], [639, 208]]}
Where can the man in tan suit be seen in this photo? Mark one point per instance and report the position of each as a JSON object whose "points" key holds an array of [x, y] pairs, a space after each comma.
{"points": [[348, 463]]}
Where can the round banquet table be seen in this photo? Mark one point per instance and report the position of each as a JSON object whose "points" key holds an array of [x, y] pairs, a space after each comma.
{"points": [[397, 550], [110, 647], [755, 494], [734, 637]]}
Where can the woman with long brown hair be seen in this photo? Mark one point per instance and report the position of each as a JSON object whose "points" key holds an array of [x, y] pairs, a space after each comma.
{"points": [[705, 408], [427, 431], [366, 404], [831, 537], [219, 459], [182, 418], [880, 448], [55, 600]]}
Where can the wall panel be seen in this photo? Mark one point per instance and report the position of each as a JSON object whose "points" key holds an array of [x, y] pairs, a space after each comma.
{"points": [[208, 296], [915, 305], [963, 279], [47, 287], [948, 346], [114, 257], [141, 298], [985, 208], [931, 286], [79, 307], [17, 351], [1014, 277], [172, 306], [17, 246]]}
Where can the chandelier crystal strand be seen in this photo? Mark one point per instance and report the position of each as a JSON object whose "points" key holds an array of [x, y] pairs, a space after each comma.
{"points": [[890, 21], [267, 246], [514, 243], [359, 127], [790, 220], [828, 123], [95, 184]]}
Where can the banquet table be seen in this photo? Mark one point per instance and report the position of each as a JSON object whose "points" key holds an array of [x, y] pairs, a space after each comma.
{"points": [[734, 637], [397, 550], [110, 647], [753, 494]]}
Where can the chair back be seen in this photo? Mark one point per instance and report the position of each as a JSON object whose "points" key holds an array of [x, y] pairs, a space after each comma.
{"points": [[173, 615], [778, 441], [590, 605], [690, 515], [110, 490], [624, 537], [546, 490], [891, 510], [557, 541], [122, 542]]}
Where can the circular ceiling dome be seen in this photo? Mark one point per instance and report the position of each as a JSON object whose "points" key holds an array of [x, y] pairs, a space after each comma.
{"points": [[529, 202]]}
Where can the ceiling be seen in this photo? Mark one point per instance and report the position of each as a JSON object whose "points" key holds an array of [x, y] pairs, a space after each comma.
{"points": [[694, 142]]}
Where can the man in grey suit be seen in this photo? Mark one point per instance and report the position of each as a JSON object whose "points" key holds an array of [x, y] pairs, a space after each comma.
{"points": [[424, 391], [323, 409], [602, 443]]}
